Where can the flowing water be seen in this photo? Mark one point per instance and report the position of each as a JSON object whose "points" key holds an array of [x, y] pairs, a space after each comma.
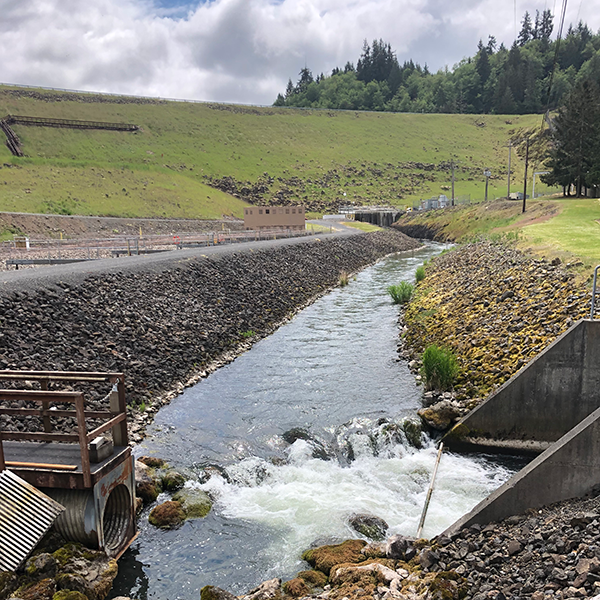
{"points": [[314, 423]]}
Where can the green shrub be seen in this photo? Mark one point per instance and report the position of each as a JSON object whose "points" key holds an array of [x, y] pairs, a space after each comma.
{"points": [[402, 292], [420, 274], [439, 368]]}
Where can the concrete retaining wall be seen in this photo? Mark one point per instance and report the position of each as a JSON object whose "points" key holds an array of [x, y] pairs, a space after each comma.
{"points": [[570, 468], [543, 401]]}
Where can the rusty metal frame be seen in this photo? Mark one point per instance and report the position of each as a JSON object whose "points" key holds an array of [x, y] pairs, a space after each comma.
{"points": [[117, 415]]}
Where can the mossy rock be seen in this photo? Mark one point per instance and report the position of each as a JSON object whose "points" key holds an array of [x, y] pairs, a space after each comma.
{"points": [[71, 582], [8, 583], [41, 566], [210, 592], [147, 490], [412, 429], [171, 481], [325, 557], [152, 461], [370, 526], [314, 578], [40, 590], [69, 595], [296, 587], [195, 503], [448, 585], [167, 515]]}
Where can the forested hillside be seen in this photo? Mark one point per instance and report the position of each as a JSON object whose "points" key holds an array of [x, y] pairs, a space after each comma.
{"points": [[532, 76]]}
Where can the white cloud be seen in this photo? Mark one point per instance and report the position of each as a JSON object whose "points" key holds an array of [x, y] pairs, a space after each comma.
{"points": [[235, 50]]}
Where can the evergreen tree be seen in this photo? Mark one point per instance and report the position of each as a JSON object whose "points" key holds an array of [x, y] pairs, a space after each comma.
{"points": [[575, 154], [289, 90], [526, 33]]}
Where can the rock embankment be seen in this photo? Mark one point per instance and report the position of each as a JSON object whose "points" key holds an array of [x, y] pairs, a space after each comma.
{"points": [[162, 327], [495, 308], [548, 554]]}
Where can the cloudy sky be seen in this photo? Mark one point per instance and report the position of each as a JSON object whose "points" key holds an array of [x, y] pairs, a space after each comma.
{"points": [[238, 50]]}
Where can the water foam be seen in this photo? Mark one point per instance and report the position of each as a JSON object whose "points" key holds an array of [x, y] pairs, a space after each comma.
{"points": [[308, 499]]}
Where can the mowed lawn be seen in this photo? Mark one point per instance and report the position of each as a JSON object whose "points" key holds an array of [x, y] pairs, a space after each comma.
{"points": [[574, 230]]}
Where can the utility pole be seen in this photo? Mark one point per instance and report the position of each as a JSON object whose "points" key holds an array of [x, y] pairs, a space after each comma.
{"points": [[525, 181], [487, 174], [452, 163], [508, 185]]}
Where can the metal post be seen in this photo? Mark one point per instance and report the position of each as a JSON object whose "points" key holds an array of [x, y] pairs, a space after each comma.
{"points": [[487, 174], [525, 178], [2, 463], [46, 408], [508, 185], [83, 443], [593, 309], [452, 163], [430, 490]]}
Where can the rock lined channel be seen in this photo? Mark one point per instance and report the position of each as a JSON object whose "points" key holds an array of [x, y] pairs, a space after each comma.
{"points": [[164, 325], [311, 434]]}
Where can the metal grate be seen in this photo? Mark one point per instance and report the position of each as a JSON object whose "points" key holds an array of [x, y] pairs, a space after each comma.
{"points": [[25, 516]]}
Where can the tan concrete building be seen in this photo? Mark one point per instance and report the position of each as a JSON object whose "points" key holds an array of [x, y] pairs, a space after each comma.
{"points": [[274, 217]]}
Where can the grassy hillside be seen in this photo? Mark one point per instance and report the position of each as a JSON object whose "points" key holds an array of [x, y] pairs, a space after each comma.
{"points": [[568, 228], [319, 158]]}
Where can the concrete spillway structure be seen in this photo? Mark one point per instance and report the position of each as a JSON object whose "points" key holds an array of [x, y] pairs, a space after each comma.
{"points": [[551, 407]]}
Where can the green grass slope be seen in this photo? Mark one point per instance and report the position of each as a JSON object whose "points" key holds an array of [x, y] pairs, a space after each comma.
{"points": [[170, 167]]}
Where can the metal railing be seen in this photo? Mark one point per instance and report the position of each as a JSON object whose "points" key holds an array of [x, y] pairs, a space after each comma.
{"points": [[115, 418]]}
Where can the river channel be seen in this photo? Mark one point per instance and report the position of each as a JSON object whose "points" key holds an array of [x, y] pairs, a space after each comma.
{"points": [[332, 380]]}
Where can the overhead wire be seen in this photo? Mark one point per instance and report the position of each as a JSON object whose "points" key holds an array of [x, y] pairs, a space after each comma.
{"points": [[555, 62]]}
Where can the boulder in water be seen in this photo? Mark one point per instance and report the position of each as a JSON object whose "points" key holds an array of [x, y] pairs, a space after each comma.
{"points": [[370, 526], [146, 487], [412, 430], [195, 503], [210, 592], [167, 515], [152, 461], [171, 481]]}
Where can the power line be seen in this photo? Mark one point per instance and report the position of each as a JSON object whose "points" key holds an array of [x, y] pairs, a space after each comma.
{"points": [[556, 51]]}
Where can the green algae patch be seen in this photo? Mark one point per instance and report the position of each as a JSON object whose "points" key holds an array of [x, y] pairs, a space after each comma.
{"points": [[69, 595], [326, 557], [458, 433]]}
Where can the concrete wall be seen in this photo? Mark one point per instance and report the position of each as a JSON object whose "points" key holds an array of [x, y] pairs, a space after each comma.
{"points": [[570, 468], [545, 399], [382, 218]]}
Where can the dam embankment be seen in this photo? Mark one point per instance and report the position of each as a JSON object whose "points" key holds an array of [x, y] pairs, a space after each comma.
{"points": [[165, 319]]}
